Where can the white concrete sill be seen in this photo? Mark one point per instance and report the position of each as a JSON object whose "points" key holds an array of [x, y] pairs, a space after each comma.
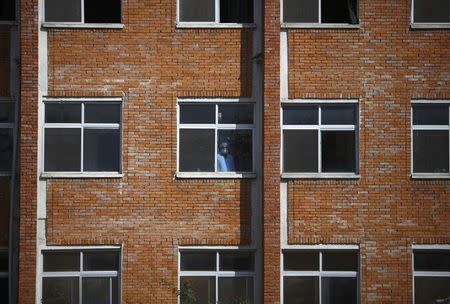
{"points": [[430, 26], [320, 176], [288, 25], [77, 25], [206, 25], [217, 175], [430, 176], [47, 175]]}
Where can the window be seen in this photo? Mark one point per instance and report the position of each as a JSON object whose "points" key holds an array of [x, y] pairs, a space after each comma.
{"points": [[6, 135], [216, 277], [431, 11], [215, 11], [7, 10], [83, 11], [320, 276], [215, 137], [82, 136], [430, 132], [81, 276], [4, 294], [431, 276], [320, 138], [320, 11]]}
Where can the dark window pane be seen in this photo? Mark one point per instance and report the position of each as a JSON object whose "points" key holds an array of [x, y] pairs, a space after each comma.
{"points": [[340, 11], [300, 115], [99, 261], [340, 261], [63, 10], [236, 290], [338, 151], [97, 290], [432, 261], [236, 11], [338, 115], [6, 112], [236, 261], [197, 290], [102, 150], [301, 290], [235, 151], [301, 260], [430, 115], [301, 11], [6, 149], [7, 10], [429, 290], [339, 291], [4, 295], [62, 113], [102, 113], [198, 261], [431, 11], [197, 10], [102, 11], [196, 150], [236, 114], [61, 261], [300, 151], [198, 114], [60, 291], [3, 261], [431, 151], [62, 150]]}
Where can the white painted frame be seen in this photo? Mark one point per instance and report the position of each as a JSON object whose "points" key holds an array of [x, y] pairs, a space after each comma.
{"points": [[217, 273], [216, 127], [427, 25], [319, 127], [430, 128], [8, 126]]}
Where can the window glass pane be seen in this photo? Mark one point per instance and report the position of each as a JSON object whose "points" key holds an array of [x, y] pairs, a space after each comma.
{"points": [[6, 112], [197, 290], [102, 150], [99, 261], [338, 151], [60, 291], [301, 290], [102, 11], [4, 295], [430, 115], [301, 260], [432, 261], [197, 114], [236, 114], [338, 115], [61, 261], [431, 290], [6, 149], [102, 113], [198, 261], [236, 290], [300, 115], [196, 151], [197, 10], [7, 10], [340, 261], [340, 11], [62, 113], [236, 11], [236, 261], [96, 290], [301, 11], [300, 151], [234, 151], [62, 149], [339, 291], [430, 151], [431, 11], [63, 10], [3, 261]]}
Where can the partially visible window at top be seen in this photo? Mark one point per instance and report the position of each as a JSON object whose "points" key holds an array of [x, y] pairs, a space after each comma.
{"points": [[431, 11], [320, 11], [7, 10], [93, 11], [228, 11]]}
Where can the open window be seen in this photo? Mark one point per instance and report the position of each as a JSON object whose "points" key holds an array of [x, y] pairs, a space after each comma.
{"points": [[215, 11]]}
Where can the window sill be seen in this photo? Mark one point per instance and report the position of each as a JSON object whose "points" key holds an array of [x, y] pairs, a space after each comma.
{"points": [[214, 25], [82, 25], [320, 176], [81, 175], [430, 176], [320, 26], [430, 26], [218, 175]]}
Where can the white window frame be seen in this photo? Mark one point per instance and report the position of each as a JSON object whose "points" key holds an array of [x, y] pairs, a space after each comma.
{"points": [[217, 273], [319, 127], [426, 25], [8, 126], [320, 273], [82, 126], [216, 126], [425, 248], [83, 274], [430, 128]]}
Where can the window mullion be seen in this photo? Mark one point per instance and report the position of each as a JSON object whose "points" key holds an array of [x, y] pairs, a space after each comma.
{"points": [[82, 11], [217, 11], [320, 11], [217, 274], [216, 136], [320, 277], [82, 139], [80, 281], [319, 142]]}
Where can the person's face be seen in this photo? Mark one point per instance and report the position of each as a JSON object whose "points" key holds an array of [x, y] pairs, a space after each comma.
{"points": [[224, 150]]}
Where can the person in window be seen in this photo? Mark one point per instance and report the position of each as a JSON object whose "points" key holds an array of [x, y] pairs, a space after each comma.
{"points": [[225, 161]]}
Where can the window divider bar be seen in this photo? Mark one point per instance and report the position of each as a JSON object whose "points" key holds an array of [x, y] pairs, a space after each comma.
{"points": [[319, 141], [320, 18], [217, 11], [82, 11], [82, 141], [441, 274]]}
